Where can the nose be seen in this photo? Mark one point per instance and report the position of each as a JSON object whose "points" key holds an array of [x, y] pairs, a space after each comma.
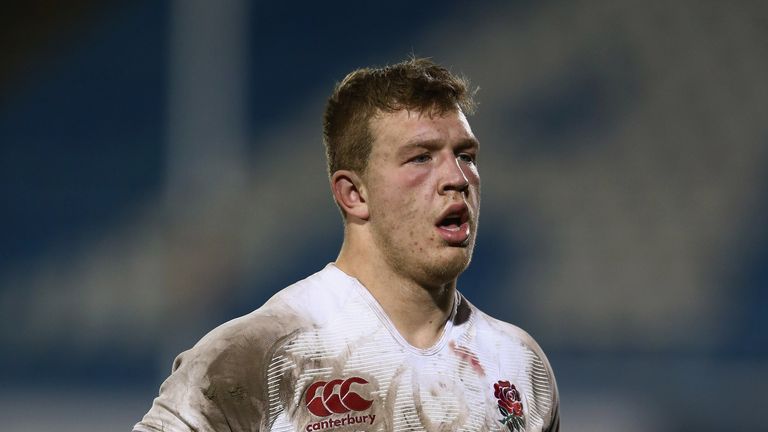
{"points": [[453, 177]]}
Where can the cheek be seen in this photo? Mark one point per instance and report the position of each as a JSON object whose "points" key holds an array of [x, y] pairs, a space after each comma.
{"points": [[472, 174], [413, 189], [412, 178]]}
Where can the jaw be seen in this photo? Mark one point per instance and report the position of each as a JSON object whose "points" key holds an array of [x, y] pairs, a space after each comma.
{"points": [[417, 251], [447, 263]]}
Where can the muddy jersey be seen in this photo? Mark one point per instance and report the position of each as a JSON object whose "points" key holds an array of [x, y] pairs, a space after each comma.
{"points": [[321, 355]]}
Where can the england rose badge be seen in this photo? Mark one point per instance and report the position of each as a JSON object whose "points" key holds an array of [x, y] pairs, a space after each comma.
{"points": [[510, 405]]}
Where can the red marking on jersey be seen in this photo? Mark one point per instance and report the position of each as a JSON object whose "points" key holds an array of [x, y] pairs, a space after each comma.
{"points": [[468, 356], [325, 398], [510, 405], [351, 399]]}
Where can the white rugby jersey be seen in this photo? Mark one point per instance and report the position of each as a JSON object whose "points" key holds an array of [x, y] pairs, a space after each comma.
{"points": [[321, 355]]}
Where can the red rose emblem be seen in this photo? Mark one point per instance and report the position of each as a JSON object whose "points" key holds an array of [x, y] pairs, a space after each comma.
{"points": [[507, 395], [510, 405]]}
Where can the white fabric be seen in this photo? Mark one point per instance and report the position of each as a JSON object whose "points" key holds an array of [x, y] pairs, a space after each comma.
{"points": [[327, 334]]}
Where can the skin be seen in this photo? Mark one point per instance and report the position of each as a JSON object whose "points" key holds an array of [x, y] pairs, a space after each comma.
{"points": [[421, 163]]}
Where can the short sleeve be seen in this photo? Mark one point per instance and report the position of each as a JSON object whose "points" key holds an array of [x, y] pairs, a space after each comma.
{"points": [[216, 386]]}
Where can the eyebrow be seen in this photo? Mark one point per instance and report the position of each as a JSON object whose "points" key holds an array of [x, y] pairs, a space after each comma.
{"points": [[432, 144]]}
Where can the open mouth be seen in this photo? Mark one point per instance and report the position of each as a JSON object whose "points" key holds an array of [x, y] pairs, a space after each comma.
{"points": [[452, 222], [454, 217], [453, 225]]}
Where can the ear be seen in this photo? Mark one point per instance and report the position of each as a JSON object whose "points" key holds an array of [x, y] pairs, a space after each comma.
{"points": [[349, 192]]}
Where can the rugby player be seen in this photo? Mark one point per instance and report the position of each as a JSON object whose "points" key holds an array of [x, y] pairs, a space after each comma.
{"points": [[380, 339]]}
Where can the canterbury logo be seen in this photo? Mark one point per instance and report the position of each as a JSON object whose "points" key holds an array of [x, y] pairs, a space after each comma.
{"points": [[334, 397]]}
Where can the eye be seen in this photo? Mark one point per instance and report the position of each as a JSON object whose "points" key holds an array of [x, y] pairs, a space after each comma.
{"points": [[466, 158], [422, 158]]}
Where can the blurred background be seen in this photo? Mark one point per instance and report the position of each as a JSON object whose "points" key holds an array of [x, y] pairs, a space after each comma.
{"points": [[162, 171]]}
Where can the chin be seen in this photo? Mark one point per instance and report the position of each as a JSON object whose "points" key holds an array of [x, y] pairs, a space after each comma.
{"points": [[443, 270]]}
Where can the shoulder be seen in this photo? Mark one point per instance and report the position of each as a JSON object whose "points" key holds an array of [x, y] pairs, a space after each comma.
{"points": [[254, 336], [221, 381], [493, 331], [505, 332], [521, 361]]}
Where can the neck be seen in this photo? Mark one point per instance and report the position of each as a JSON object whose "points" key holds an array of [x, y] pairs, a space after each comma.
{"points": [[418, 311]]}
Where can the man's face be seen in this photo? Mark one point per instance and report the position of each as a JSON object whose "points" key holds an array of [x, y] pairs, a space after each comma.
{"points": [[424, 193]]}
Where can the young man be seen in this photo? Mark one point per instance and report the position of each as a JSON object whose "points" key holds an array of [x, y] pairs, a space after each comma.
{"points": [[380, 340]]}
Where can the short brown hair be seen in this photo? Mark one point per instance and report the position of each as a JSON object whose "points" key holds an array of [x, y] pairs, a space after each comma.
{"points": [[415, 84]]}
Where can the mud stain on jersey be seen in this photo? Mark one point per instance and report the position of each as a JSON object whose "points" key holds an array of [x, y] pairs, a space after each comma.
{"points": [[463, 312], [237, 392], [209, 393]]}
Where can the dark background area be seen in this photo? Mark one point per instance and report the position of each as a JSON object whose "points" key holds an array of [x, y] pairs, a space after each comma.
{"points": [[162, 171]]}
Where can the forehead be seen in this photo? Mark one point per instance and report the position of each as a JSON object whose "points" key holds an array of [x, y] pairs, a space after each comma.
{"points": [[392, 130]]}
